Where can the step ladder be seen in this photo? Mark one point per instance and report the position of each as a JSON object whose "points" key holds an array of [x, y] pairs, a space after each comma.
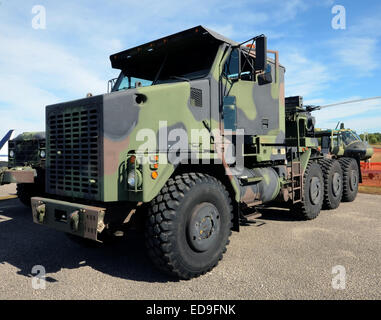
{"points": [[297, 181]]}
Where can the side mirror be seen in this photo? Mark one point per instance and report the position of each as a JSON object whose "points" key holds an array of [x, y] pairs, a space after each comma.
{"points": [[261, 54], [266, 77]]}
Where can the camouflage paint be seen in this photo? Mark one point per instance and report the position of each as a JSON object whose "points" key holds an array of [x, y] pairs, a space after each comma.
{"points": [[121, 117]]}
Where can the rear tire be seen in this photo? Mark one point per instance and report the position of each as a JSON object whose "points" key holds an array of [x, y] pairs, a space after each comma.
{"points": [[351, 177], [25, 191], [333, 183], [313, 192], [188, 225]]}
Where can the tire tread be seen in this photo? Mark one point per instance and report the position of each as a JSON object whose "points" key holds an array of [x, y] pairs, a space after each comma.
{"points": [[161, 216]]}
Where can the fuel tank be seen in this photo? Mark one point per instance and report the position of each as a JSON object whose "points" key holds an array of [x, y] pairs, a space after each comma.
{"points": [[259, 184]]}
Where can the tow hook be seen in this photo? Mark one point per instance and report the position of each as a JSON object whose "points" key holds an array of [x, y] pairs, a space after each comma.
{"points": [[40, 210], [74, 220]]}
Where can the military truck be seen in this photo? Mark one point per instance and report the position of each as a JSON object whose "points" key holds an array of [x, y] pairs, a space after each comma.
{"points": [[196, 130], [346, 146], [343, 145], [26, 165], [343, 142]]}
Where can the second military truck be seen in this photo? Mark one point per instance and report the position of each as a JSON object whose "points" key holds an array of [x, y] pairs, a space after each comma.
{"points": [[26, 165]]}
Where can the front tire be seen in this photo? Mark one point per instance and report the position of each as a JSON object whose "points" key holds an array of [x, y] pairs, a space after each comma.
{"points": [[351, 177], [188, 225]]}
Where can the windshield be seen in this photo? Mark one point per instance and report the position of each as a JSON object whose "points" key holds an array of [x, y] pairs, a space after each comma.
{"points": [[185, 59], [349, 137], [125, 82]]}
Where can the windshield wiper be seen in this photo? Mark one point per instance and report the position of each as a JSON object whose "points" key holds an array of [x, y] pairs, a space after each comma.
{"points": [[160, 69], [179, 78]]}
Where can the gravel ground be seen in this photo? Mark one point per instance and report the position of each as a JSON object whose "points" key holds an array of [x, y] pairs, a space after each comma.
{"points": [[273, 257], [7, 190]]}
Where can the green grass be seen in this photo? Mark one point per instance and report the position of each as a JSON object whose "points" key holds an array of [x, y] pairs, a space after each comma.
{"points": [[370, 189]]}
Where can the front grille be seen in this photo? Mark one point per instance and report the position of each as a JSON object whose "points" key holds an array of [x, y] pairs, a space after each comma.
{"points": [[26, 152], [73, 151]]}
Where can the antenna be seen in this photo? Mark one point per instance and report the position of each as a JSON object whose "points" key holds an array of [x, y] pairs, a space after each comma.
{"points": [[314, 108]]}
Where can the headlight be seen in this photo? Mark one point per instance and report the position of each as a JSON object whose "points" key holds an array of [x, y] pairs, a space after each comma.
{"points": [[131, 179], [134, 178], [11, 154], [42, 154]]}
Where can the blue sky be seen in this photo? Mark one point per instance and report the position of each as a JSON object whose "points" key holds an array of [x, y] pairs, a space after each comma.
{"points": [[71, 56]]}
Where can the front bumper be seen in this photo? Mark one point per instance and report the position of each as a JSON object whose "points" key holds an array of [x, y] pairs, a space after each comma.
{"points": [[17, 175], [77, 219]]}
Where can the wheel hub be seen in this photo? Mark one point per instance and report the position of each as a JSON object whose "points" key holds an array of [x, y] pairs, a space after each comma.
{"points": [[315, 190], [203, 226], [353, 181], [336, 184]]}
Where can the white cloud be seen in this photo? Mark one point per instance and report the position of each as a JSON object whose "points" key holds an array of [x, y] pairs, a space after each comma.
{"points": [[359, 116], [36, 61], [35, 74], [288, 10], [357, 53], [22, 105], [369, 26], [357, 48], [304, 77]]}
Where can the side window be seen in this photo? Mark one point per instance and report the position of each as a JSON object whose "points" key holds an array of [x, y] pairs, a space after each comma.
{"points": [[247, 67], [336, 141], [231, 67], [246, 72], [325, 142]]}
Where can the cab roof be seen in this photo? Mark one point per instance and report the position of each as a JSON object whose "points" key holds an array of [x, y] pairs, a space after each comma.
{"points": [[151, 53], [194, 37]]}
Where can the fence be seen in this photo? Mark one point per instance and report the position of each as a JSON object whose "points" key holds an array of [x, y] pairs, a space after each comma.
{"points": [[371, 173]]}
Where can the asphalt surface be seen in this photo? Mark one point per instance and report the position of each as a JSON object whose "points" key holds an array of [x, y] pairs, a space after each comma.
{"points": [[273, 257], [8, 191]]}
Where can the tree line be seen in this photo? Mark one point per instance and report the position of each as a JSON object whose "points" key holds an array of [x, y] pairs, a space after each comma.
{"points": [[373, 138]]}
